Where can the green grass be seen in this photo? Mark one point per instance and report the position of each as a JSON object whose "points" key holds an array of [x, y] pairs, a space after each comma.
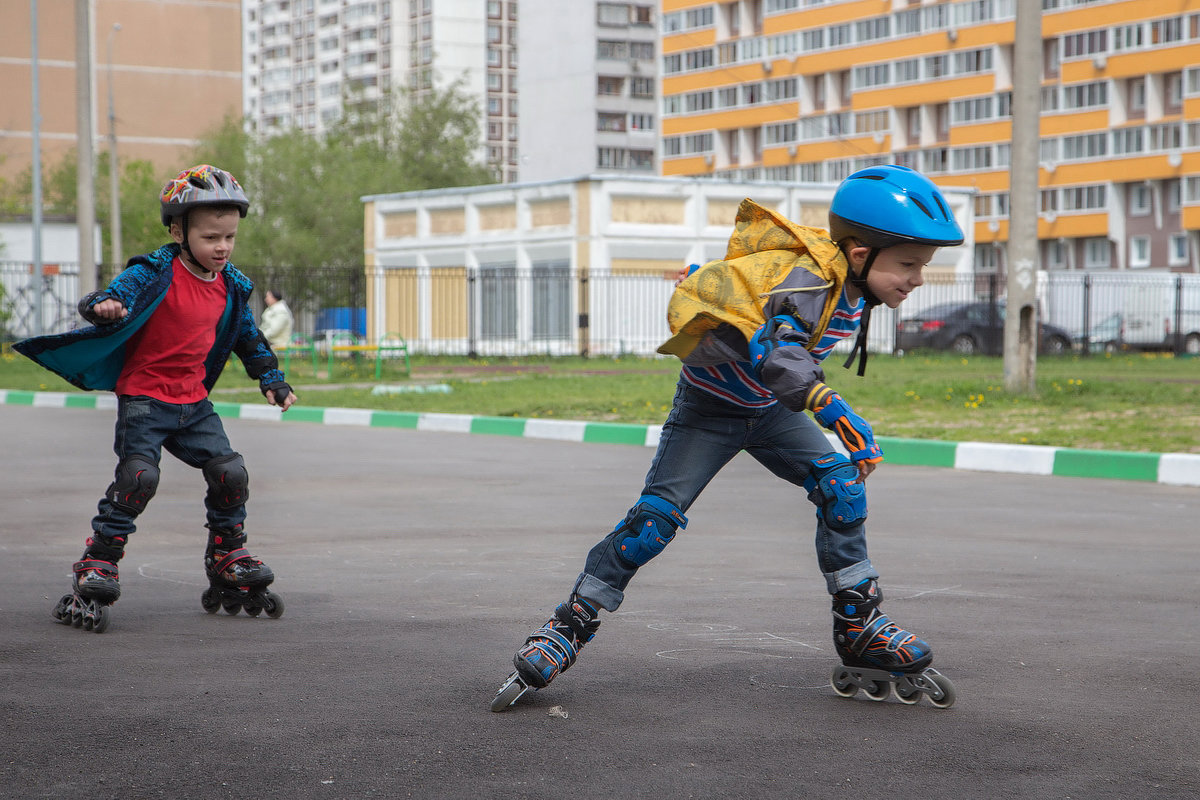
{"points": [[1128, 401]]}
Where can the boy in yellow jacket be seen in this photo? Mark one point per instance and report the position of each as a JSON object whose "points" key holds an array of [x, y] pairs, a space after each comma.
{"points": [[752, 331]]}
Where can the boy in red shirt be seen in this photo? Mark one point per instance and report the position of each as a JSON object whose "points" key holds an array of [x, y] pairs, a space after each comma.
{"points": [[163, 331]]}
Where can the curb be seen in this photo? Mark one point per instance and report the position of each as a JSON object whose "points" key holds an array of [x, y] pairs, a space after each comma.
{"points": [[1175, 469]]}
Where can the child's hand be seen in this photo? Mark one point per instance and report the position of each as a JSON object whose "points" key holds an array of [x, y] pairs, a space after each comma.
{"points": [[288, 399], [109, 310]]}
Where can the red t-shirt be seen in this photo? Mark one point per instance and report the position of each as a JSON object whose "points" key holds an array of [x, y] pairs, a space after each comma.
{"points": [[165, 359]]}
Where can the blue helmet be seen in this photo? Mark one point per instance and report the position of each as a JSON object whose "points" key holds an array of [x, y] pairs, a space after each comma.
{"points": [[889, 205]]}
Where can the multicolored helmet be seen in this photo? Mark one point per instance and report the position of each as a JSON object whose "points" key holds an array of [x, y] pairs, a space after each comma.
{"points": [[889, 205], [201, 185]]}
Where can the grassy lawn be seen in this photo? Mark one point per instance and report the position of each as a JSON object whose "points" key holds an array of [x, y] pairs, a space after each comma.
{"points": [[1127, 401]]}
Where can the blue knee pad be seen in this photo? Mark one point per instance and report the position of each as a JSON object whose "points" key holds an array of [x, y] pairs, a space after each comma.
{"points": [[834, 489], [649, 528]]}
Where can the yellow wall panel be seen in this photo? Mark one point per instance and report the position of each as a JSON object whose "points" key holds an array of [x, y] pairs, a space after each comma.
{"points": [[1076, 122], [401, 303], [1073, 225], [400, 226], [677, 42], [498, 218], [448, 307], [1102, 15], [980, 133], [648, 210], [722, 212], [550, 213], [447, 221], [684, 166]]}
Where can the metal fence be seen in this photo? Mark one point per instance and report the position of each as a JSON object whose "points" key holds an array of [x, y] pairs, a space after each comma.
{"points": [[501, 310]]}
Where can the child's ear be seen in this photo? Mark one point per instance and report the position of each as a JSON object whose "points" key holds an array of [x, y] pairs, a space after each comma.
{"points": [[857, 254], [176, 231]]}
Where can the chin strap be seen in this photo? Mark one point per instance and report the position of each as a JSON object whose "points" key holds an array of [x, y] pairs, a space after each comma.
{"points": [[186, 248], [869, 301]]}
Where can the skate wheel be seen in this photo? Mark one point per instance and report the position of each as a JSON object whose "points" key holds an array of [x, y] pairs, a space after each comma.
{"points": [[841, 683], [877, 690], [100, 623], [232, 608], [945, 688], [906, 694], [253, 611], [508, 694], [274, 605], [62, 610], [210, 600]]}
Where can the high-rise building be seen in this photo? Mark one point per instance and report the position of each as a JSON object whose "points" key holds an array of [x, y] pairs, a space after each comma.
{"points": [[305, 59], [589, 88], [811, 90], [172, 70]]}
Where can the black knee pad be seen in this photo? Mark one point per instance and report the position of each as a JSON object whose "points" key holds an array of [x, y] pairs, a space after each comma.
{"points": [[135, 482], [228, 481]]}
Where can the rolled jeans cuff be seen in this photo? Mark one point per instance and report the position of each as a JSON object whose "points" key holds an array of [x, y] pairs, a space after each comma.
{"points": [[589, 587], [849, 577]]}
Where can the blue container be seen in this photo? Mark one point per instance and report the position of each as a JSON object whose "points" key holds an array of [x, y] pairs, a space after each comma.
{"points": [[342, 319]]}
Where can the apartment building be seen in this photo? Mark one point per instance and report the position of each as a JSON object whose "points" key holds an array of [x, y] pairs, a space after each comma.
{"points": [[811, 90], [588, 87], [170, 70], [304, 59]]}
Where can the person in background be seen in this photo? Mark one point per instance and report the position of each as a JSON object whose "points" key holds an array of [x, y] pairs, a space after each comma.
{"points": [[277, 321]]}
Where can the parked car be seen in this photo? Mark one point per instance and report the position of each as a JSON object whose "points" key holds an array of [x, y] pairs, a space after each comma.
{"points": [[1106, 336], [969, 328]]}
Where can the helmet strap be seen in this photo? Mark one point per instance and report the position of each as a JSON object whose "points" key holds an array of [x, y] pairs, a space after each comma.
{"points": [[870, 300], [187, 249]]}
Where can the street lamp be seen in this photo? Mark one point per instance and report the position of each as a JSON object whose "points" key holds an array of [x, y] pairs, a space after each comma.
{"points": [[114, 172]]}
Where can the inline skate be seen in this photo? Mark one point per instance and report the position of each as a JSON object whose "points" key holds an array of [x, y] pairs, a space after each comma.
{"points": [[95, 585], [237, 580], [549, 650], [878, 656]]}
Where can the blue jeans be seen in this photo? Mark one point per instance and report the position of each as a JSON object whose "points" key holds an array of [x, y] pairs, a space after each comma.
{"points": [[191, 432], [701, 435]]}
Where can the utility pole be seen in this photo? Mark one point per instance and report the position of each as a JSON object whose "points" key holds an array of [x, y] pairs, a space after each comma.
{"points": [[114, 166], [1021, 316], [36, 118], [85, 183]]}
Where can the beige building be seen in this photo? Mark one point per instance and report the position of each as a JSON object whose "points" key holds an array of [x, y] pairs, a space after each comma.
{"points": [[174, 70], [581, 265]]}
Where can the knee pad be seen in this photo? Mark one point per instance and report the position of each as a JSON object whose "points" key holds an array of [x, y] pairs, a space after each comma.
{"points": [[135, 482], [228, 481], [649, 528], [834, 489]]}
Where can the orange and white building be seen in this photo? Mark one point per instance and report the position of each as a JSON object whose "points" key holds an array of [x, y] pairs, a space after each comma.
{"points": [[811, 90]]}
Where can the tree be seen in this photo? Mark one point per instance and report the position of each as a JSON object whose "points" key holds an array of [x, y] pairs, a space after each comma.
{"points": [[305, 190]]}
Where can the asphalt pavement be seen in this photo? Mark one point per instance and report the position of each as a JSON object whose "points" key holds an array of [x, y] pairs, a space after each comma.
{"points": [[414, 563]]}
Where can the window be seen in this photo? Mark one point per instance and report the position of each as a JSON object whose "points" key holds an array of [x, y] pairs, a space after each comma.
{"points": [[1139, 251], [606, 121], [1139, 200], [986, 258], [641, 122], [1055, 254], [1097, 253], [1177, 252], [641, 87]]}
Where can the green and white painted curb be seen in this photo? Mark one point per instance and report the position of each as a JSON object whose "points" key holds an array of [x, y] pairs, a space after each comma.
{"points": [[1176, 469]]}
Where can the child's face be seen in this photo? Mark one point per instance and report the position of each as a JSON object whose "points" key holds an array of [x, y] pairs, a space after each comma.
{"points": [[211, 232], [896, 271]]}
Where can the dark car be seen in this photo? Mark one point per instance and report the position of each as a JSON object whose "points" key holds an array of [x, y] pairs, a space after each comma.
{"points": [[969, 328]]}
